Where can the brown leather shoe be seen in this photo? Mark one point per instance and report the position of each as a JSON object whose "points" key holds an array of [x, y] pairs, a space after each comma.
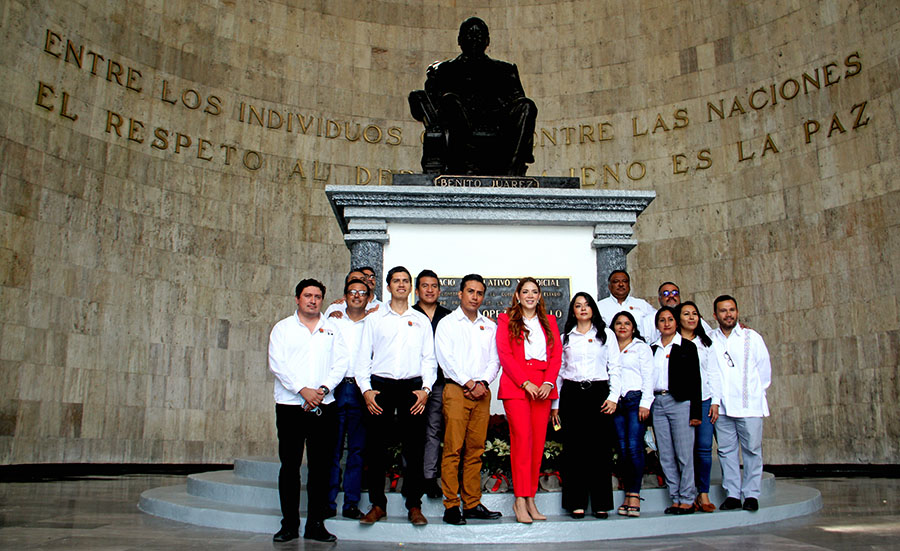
{"points": [[416, 517], [375, 514]]}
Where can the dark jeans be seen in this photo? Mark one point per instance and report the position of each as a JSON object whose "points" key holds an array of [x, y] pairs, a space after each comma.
{"points": [[703, 437], [434, 430], [297, 428], [587, 437], [350, 407], [395, 399], [630, 431]]}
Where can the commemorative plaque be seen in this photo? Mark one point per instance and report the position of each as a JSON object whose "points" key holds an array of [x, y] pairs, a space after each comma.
{"points": [[500, 290]]}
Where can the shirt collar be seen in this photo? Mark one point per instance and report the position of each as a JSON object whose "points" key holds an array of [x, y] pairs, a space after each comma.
{"points": [[461, 316], [319, 323], [591, 332], [675, 340]]}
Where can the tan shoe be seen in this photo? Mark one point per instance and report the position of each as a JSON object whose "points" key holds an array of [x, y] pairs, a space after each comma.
{"points": [[416, 517], [375, 514]]}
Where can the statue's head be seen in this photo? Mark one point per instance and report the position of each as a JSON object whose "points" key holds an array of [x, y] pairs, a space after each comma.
{"points": [[473, 36]]}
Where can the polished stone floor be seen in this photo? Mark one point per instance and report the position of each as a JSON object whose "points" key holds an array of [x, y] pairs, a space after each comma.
{"points": [[100, 514]]}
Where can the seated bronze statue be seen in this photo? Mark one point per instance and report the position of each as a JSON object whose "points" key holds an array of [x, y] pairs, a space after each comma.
{"points": [[477, 118]]}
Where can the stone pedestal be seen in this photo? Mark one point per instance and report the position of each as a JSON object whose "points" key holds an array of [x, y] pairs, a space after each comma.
{"points": [[489, 228]]}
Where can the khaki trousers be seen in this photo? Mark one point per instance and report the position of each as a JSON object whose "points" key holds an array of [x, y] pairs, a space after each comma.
{"points": [[465, 428]]}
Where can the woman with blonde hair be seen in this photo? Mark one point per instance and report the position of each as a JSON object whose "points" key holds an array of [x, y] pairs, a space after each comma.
{"points": [[529, 348]]}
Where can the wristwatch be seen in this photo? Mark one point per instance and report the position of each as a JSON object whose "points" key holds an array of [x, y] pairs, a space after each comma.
{"points": [[427, 390], [325, 390]]}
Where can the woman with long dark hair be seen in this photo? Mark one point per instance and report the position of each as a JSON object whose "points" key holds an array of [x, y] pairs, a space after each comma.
{"points": [[635, 397], [692, 329], [676, 409], [588, 393], [529, 350]]}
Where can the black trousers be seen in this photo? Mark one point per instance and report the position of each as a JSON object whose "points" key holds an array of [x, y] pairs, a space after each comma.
{"points": [[395, 422], [318, 433], [588, 438]]}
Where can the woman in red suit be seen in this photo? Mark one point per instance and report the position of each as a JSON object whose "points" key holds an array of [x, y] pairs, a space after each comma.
{"points": [[529, 348]]}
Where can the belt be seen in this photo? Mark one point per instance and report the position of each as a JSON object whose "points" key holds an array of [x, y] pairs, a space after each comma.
{"points": [[349, 380], [660, 392], [585, 384]]}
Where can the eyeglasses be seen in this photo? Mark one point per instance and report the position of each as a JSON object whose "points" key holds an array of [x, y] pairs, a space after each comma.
{"points": [[667, 294], [357, 293], [369, 276], [730, 361]]}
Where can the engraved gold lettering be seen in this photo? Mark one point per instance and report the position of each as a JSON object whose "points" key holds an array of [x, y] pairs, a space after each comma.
{"points": [[634, 130], [165, 92], [134, 126], [131, 79], [190, 98], [360, 170], [162, 139], [773, 94], [254, 114], [51, 40], [660, 123], [298, 169], [304, 127], [808, 80], [200, 147], [796, 89], [552, 138], [113, 69], [736, 107], [711, 108], [95, 57], [810, 127], [862, 109], [252, 160], [273, 124], [45, 91], [568, 130], [853, 64], [642, 173], [827, 70], [77, 56], [214, 106], [741, 157], [835, 125], [381, 173], [681, 119], [395, 135], [354, 136], [229, 149], [587, 133], [704, 157], [601, 128], [329, 125], [607, 171], [181, 141], [584, 175], [290, 122], [114, 120], [367, 135], [677, 159], [769, 146], [64, 108], [753, 103]]}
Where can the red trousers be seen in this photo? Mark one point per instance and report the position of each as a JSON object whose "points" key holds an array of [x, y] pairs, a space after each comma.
{"points": [[527, 432]]}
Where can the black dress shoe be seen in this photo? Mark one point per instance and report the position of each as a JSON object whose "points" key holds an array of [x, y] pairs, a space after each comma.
{"points": [[481, 512], [453, 516], [730, 504], [751, 504], [316, 531], [285, 535], [577, 514], [331, 513], [352, 512], [601, 514], [433, 489], [673, 510], [685, 511]]}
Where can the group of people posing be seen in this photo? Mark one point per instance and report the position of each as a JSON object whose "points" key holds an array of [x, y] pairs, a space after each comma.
{"points": [[368, 373]]}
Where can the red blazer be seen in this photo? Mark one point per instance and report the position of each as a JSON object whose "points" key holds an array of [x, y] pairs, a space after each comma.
{"points": [[512, 359]]}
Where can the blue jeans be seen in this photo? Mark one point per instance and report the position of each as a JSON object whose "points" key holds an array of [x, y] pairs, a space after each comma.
{"points": [[349, 404], [703, 437], [630, 432]]}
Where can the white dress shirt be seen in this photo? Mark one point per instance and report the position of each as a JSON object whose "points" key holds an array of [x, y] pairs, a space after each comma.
{"points": [[300, 358], [703, 356], [636, 373], [352, 332], [745, 372], [639, 308], [661, 362], [585, 358], [467, 350], [396, 346], [536, 343]]}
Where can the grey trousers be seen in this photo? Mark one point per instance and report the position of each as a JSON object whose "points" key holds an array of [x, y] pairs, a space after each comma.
{"points": [[742, 434], [675, 441], [434, 431]]}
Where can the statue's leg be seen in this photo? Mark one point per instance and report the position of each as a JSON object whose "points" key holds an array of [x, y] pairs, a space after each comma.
{"points": [[456, 125], [519, 134]]}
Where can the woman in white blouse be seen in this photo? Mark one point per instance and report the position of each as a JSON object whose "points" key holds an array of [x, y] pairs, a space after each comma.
{"points": [[692, 329], [635, 398], [589, 390]]}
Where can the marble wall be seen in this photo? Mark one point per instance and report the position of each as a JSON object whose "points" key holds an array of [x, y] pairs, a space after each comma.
{"points": [[162, 167]]}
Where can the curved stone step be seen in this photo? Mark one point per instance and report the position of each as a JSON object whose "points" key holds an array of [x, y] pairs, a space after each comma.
{"points": [[783, 501]]}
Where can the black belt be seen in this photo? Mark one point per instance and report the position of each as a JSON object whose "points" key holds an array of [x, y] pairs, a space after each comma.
{"points": [[349, 380], [585, 384], [660, 392]]}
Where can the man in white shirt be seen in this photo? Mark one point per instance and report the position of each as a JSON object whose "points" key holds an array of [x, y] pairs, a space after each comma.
{"points": [[620, 299], [349, 404], [395, 371], [309, 357], [669, 295], [739, 403], [367, 275], [466, 347]]}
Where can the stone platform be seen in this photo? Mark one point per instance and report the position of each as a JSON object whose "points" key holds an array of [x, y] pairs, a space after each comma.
{"points": [[246, 499]]}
